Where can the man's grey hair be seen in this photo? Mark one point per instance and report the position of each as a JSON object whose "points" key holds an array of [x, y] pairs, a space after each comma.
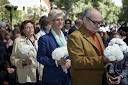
{"points": [[86, 13]]}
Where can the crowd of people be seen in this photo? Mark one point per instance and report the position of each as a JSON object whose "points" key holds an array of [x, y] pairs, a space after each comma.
{"points": [[56, 51]]}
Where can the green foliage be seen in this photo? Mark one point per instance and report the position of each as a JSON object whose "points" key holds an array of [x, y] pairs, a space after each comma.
{"points": [[3, 12], [108, 9], [124, 13], [125, 2], [72, 8], [32, 14], [65, 5], [17, 17]]}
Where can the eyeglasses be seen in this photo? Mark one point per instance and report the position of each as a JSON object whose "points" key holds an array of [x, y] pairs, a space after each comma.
{"points": [[97, 23]]}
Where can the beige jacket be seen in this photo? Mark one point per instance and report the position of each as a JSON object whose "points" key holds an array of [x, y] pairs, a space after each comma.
{"points": [[23, 49]]}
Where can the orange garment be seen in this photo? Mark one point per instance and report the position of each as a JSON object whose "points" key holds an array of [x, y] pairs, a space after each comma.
{"points": [[97, 43]]}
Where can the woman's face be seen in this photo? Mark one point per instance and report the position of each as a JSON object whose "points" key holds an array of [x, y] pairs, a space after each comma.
{"points": [[58, 23], [29, 29]]}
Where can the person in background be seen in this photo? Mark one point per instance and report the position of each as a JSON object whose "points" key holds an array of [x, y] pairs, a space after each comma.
{"points": [[44, 26], [8, 27], [44, 29], [53, 74], [3, 25], [76, 26], [9, 42], [24, 54], [67, 27], [7, 71], [123, 31], [104, 35], [85, 49], [116, 67], [9, 45], [37, 28], [16, 33], [3, 60]]}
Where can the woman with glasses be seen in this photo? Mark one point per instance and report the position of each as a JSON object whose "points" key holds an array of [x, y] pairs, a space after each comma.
{"points": [[24, 54]]}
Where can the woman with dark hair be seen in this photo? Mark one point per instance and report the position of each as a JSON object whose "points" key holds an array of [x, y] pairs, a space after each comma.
{"points": [[123, 31], [44, 29], [16, 32], [24, 54], [44, 26]]}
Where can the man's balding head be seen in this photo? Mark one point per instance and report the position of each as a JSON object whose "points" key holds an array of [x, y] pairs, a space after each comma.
{"points": [[92, 19], [92, 14]]}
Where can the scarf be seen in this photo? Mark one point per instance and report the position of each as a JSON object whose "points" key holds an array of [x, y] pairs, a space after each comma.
{"points": [[59, 39]]}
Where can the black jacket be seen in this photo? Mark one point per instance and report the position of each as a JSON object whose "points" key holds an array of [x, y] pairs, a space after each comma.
{"points": [[3, 56]]}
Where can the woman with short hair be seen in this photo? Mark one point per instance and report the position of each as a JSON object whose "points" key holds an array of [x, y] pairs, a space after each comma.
{"points": [[53, 74], [24, 54]]}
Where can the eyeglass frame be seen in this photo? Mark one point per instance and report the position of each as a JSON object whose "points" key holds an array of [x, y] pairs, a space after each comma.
{"points": [[100, 23]]}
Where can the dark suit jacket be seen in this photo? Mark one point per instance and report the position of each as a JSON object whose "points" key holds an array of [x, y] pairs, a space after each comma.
{"points": [[52, 75], [3, 62], [73, 28], [122, 66], [3, 56]]}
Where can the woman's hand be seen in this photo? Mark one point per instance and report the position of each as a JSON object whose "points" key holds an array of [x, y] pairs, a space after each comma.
{"points": [[61, 62], [68, 63], [26, 62]]}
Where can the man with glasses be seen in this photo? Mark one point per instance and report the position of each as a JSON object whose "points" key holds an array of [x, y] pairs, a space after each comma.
{"points": [[85, 48], [97, 23]]}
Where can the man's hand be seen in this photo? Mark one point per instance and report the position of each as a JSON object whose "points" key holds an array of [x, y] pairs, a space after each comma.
{"points": [[114, 80], [118, 78]]}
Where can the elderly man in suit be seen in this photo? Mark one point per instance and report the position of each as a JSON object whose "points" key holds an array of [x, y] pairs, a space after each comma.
{"points": [[85, 48]]}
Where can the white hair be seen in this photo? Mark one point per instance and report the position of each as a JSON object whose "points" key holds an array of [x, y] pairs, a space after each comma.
{"points": [[55, 13]]}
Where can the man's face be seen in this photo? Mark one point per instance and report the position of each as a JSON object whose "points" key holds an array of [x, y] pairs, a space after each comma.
{"points": [[67, 25], [93, 22]]}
